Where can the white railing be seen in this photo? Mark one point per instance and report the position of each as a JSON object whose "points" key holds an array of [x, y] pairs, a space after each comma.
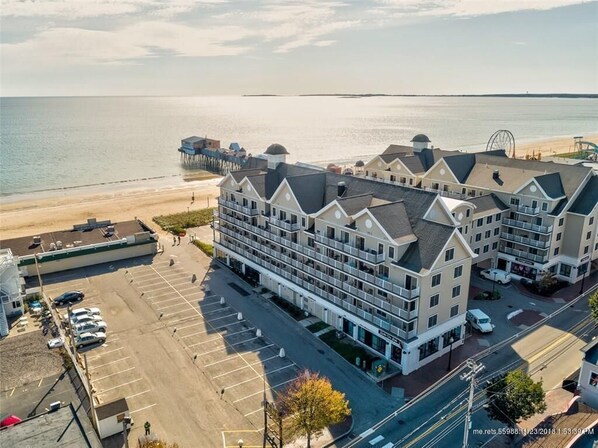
{"points": [[524, 240], [286, 225], [238, 207], [528, 210], [526, 225], [526, 255]]}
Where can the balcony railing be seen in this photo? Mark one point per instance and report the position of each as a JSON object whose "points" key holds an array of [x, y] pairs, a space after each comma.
{"points": [[525, 255], [286, 225], [238, 207], [526, 225], [526, 241], [371, 256], [528, 210]]}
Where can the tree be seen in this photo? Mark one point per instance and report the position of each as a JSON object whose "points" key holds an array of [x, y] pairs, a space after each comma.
{"points": [[158, 444], [513, 397], [547, 282], [310, 404], [594, 305]]}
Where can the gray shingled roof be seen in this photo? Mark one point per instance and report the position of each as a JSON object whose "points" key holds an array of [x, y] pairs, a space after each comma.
{"points": [[309, 190], [423, 254], [389, 157], [241, 174], [393, 218], [398, 149], [259, 183], [551, 184], [488, 202], [413, 164], [587, 199], [460, 165], [354, 204]]}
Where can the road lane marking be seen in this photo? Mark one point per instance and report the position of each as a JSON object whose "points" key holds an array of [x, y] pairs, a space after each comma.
{"points": [[143, 408], [366, 433], [40, 383], [108, 363], [376, 440], [112, 374], [120, 385], [230, 359]]}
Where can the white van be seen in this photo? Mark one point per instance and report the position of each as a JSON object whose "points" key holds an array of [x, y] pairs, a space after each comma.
{"points": [[479, 320]]}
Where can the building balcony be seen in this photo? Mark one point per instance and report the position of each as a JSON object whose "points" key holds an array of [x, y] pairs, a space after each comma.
{"points": [[525, 241], [527, 226], [237, 207], [528, 210], [525, 255], [371, 255], [286, 225]]}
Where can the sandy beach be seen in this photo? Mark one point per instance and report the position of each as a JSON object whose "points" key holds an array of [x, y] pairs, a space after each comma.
{"points": [[29, 214]]}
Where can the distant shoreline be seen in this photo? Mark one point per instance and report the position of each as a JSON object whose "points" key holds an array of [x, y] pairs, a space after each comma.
{"points": [[485, 95]]}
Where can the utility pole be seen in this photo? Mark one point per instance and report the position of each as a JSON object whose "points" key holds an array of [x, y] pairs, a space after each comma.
{"points": [[474, 368]]}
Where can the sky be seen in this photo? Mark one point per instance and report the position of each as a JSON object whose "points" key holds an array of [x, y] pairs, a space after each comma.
{"points": [[220, 47]]}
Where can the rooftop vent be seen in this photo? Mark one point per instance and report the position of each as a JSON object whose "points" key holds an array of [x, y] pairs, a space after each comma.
{"points": [[495, 174], [37, 240], [77, 243], [58, 244], [52, 246]]}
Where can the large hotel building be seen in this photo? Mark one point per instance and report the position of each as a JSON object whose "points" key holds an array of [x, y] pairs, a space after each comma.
{"points": [[385, 255]]}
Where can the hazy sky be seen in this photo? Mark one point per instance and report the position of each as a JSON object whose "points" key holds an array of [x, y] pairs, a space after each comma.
{"points": [[214, 47]]}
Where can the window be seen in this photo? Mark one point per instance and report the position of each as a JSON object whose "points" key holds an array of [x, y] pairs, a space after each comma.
{"points": [[436, 280], [487, 234], [403, 180], [273, 212], [472, 193], [302, 222], [393, 178], [497, 217], [558, 236], [565, 270], [489, 219], [435, 186], [456, 291], [561, 221], [454, 310], [434, 300], [586, 249], [429, 348], [480, 222], [16, 304], [556, 251], [591, 220], [495, 245], [449, 255], [544, 206], [468, 212], [496, 231], [588, 235], [514, 201], [432, 321], [593, 379], [476, 251], [486, 248], [391, 252], [458, 271], [478, 237]]}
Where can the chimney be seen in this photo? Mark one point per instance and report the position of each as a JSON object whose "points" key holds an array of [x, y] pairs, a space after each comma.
{"points": [[495, 174], [341, 189]]}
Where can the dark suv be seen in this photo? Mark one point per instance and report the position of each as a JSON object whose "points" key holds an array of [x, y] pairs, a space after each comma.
{"points": [[69, 297]]}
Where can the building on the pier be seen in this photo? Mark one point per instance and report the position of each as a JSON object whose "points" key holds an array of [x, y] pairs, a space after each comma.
{"points": [[529, 217], [384, 264]]}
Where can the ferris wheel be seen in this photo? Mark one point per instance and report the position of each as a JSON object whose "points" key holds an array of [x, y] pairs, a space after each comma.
{"points": [[504, 140]]}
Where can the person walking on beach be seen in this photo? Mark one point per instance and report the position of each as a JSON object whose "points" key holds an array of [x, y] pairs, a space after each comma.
{"points": [[147, 428], [193, 197], [179, 240], [174, 240]]}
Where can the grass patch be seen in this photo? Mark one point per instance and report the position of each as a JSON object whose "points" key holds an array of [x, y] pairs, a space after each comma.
{"points": [[294, 311], [318, 326], [178, 222], [206, 248], [346, 348]]}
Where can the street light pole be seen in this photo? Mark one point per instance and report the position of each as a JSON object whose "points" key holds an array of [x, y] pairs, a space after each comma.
{"points": [[451, 340], [493, 285], [583, 277]]}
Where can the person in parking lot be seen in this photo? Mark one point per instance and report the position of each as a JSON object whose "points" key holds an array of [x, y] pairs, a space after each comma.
{"points": [[147, 428]]}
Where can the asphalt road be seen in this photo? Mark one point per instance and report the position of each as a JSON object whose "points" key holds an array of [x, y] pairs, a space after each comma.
{"points": [[438, 418]]}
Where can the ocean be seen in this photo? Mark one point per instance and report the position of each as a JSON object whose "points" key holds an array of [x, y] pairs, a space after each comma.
{"points": [[67, 142]]}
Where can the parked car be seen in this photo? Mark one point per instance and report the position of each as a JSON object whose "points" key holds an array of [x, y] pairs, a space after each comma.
{"points": [[90, 327], [56, 342], [69, 297], [86, 339], [479, 320], [496, 275], [84, 319], [82, 312]]}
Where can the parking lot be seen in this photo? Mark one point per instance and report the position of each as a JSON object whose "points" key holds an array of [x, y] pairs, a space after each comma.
{"points": [[193, 367]]}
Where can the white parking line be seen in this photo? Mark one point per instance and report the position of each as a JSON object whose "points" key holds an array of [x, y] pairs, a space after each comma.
{"points": [[184, 319], [108, 363], [261, 361], [254, 412], [216, 338], [175, 313], [170, 306], [105, 353], [230, 359], [142, 409], [112, 374], [254, 378], [137, 394], [224, 308], [224, 346], [120, 385], [262, 391], [155, 300]]}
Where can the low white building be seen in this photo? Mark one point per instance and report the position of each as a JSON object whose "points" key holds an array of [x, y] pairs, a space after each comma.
{"points": [[11, 289], [588, 376]]}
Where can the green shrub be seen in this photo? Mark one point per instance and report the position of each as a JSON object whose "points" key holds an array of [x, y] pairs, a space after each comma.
{"points": [[318, 326], [206, 248], [178, 222]]}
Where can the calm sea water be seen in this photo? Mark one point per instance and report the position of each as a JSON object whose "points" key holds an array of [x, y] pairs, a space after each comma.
{"points": [[53, 143]]}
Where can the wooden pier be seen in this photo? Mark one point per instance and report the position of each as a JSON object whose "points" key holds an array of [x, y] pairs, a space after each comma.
{"points": [[206, 154]]}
